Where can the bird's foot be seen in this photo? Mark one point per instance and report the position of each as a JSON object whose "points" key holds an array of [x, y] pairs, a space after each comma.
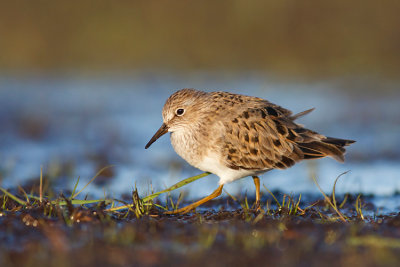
{"points": [[257, 206], [183, 210], [192, 206]]}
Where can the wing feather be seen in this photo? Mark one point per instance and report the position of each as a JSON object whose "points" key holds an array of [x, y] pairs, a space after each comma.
{"points": [[259, 135]]}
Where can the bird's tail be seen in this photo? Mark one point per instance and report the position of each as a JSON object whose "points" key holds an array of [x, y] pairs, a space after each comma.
{"points": [[326, 147]]}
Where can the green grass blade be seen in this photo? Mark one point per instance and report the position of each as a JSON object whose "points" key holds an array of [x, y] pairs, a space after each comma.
{"points": [[25, 194], [178, 202], [342, 218], [334, 188], [297, 205], [226, 192], [344, 201], [76, 185], [41, 185], [91, 180], [175, 186], [159, 206], [246, 203], [358, 206], [76, 201], [80, 202], [276, 200], [16, 199]]}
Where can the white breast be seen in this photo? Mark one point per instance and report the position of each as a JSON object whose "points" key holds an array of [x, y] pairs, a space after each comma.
{"points": [[213, 164], [186, 146]]}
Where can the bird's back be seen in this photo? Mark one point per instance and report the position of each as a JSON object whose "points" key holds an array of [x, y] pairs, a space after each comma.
{"points": [[258, 135]]}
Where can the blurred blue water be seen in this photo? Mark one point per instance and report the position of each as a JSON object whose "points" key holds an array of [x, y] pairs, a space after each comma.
{"points": [[89, 122]]}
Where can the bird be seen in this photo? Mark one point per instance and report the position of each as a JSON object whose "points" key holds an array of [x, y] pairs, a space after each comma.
{"points": [[235, 136]]}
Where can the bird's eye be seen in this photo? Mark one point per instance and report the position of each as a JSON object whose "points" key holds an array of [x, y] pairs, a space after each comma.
{"points": [[180, 111]]}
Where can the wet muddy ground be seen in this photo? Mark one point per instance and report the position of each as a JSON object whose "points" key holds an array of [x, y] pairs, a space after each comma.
{"points": [[225, 231]]}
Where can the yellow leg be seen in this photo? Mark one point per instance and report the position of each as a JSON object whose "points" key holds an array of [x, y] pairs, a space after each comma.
{"points": [[257, 184], [192, 206]]}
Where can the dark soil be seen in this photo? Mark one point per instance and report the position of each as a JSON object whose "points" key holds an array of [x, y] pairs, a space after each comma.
{"points": [[221, 233]]}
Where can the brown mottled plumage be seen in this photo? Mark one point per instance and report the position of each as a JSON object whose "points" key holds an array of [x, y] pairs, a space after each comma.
{"points": [[234, 136]]}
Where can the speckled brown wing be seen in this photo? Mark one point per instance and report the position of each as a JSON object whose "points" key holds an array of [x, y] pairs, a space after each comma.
{"points": [[265, 136]]}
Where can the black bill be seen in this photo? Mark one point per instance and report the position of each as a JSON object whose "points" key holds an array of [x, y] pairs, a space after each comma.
{"points": [[163, 130]]}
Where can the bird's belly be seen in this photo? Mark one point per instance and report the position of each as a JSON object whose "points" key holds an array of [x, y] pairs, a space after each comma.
{"points": [[211, 163]]}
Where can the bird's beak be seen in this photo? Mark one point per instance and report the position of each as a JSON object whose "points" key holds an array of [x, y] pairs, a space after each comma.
{"points": [[163, 130]]}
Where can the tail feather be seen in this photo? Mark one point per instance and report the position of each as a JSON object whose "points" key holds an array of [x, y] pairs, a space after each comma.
{"points": [[312, 144], [331, 147], [337, 141], [301, 114]]}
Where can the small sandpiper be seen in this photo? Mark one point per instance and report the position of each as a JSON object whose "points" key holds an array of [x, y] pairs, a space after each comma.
{"points": [[234, 136]]}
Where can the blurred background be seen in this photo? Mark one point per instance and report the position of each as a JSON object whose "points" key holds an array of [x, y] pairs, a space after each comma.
{"points": [[82, 84], [285, 38]]}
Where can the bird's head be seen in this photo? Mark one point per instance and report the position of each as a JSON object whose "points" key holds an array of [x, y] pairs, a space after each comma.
{"points": [[182, 109]]}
